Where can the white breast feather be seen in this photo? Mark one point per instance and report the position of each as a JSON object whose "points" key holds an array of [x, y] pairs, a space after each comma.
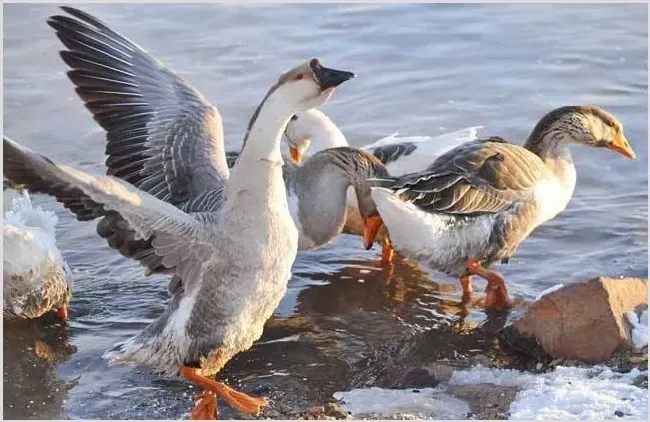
{"points": [[552, 195], [293, 202], [437, 239]]}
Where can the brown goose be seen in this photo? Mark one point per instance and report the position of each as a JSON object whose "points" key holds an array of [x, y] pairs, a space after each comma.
{"points": [[476, 203]]}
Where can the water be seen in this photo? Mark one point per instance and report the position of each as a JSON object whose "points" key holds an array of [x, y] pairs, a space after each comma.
{"points": [[346, 321]]}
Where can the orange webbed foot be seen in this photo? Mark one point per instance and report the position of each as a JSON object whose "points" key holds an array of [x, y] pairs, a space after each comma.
{"points": [[496, 293], [205, 407], [240, 401]]}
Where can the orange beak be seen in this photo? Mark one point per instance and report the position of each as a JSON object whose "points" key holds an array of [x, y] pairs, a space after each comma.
{"points": [[621, 146], [296, 155], [371, 226]]}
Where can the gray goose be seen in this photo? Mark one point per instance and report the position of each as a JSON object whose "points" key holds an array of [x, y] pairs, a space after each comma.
{"points": [[317, 189], [476, 203], [228, 239], [139, 104], [311, 131], [317, 192]]}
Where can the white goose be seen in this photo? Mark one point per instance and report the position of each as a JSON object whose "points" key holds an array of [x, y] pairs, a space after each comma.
{"points": [[228, 237], [311, 131], [313, 191], [35, 278], [476, 203]]}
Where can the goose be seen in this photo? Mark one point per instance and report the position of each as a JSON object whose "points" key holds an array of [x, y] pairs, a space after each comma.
{"points": [[313, 191], [477, 202], [170, 201], [311, 131], [35, 278], [317, 189]]}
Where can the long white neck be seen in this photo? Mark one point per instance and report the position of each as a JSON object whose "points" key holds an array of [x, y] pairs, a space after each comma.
{"points": [[264, 137], [328, 134]]}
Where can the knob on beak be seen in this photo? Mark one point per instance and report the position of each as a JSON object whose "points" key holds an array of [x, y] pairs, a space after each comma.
{"points": [[329, 78]]}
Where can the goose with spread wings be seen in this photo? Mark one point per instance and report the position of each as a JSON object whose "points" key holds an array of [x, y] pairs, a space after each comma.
{"points": [[170, 201], [143, 105]]}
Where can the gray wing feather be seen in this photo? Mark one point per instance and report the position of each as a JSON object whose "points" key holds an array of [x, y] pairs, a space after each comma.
{"points": [[163, 136], [389, 153], [479, 177], [182, 240]]}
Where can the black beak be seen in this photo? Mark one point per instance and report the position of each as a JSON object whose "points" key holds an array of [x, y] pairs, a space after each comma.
{"points": [[329, 78]]}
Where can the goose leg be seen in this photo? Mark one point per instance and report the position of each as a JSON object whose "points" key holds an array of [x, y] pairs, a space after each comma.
{"points": [[466, 284], [496, 293], [240, 401], [386, 251], [205, 408], [62, 312]]}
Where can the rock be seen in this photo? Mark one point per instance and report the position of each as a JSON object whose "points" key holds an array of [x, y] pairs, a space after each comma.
{"points": [[442, 372], [641, 381], [419, 378], [335, 411], [486, 401], [583, 321]]}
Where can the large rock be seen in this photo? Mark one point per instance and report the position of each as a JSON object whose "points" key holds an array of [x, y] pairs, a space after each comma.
{"points": [[583, 321]]}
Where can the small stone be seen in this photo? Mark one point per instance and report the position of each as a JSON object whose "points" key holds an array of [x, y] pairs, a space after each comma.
{"points": [[483, 360], [637, 359], [335, 411], [641, 381], [419, 378], [315, 412], [619, 413]]}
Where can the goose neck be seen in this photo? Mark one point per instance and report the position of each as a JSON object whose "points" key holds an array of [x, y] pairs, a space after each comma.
{"points": [[262, 141]]}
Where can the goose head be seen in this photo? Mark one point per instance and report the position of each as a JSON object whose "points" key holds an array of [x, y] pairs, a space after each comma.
{"points": [[308, 85], [586, 125], [313, 130], [301, 88]]}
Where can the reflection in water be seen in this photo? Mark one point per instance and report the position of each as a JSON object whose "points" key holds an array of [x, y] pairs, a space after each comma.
{"points": [[362, 325], [33, 349]]}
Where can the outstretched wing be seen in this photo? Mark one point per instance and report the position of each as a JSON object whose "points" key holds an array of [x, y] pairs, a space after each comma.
{"points": [[480, 177], [163, 136], [181, 240], [426, 148]]}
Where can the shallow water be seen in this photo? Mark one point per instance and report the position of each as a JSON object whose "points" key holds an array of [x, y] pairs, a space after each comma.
{"points": [[422, 70]]}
